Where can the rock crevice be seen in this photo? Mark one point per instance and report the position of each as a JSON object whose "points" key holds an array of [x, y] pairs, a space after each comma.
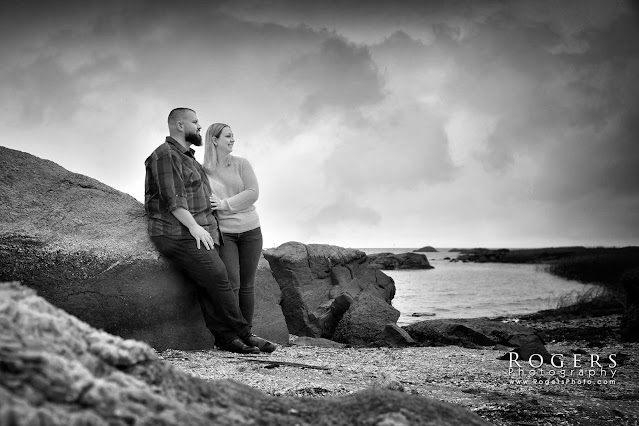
{"points": [[319, 283]]}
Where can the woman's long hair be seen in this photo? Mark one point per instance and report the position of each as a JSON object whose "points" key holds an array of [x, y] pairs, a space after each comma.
{"points": [[210, 150]]}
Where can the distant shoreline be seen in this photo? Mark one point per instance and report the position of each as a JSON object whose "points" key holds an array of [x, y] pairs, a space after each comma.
{"points": [[515, 249]]}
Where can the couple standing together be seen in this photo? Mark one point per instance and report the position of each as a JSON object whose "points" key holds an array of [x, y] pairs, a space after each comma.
{"points": [[202, 217]]}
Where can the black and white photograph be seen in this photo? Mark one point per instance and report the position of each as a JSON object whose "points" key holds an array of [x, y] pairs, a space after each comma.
{"points": [[288, 212]]}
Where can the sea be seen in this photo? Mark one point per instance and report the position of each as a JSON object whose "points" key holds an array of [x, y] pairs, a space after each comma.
{"points": [[472, 290]]}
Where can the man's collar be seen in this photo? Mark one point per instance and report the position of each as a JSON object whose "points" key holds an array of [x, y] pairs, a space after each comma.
{"points": [[179, 146]]}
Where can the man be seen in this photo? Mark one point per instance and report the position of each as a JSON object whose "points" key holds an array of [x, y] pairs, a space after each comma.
{"points": [[182, 226]]}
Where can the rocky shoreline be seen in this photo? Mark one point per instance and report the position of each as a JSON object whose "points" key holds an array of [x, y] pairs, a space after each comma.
{"points": [[57, 370], [473, 378]]}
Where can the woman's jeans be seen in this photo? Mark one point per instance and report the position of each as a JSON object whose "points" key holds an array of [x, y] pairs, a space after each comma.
{"points": [[217, 299], [241, 253]]}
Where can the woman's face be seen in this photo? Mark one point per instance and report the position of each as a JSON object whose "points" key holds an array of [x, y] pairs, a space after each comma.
{"points": [[225, 141]]}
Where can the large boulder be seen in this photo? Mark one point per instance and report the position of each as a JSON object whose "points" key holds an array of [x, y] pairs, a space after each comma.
{"points": [[391, 261], [365, 321], [59, 371], [84, 247], [472, 332], [319, 282]]}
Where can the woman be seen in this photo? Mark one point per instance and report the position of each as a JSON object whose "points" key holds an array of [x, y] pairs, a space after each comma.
{"points": [[235, 190]]}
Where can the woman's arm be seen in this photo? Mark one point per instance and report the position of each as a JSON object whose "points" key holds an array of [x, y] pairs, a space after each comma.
{"points": [[251, 192]]}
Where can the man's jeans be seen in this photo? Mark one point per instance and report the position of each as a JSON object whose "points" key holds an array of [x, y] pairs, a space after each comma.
{"points": [[204, 268], [241, 253]]}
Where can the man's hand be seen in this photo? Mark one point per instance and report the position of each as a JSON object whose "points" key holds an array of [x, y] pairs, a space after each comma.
{"points": [[201, 234]]}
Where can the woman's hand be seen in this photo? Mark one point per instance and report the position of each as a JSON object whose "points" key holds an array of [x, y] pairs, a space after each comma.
{"points": [[216, 203]]}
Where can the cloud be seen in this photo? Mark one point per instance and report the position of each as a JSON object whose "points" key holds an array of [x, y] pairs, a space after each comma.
{"points": [[485, 121], [39, 92], [338, 75], [346, 211], [115, 77], [570, 112], [397, 146]]}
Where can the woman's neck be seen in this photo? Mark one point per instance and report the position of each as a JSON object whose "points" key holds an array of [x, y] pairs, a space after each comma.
{"points": [[222, 158]]}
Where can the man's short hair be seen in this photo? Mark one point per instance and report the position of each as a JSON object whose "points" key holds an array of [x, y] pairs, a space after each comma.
{"points": [[177, 114]]}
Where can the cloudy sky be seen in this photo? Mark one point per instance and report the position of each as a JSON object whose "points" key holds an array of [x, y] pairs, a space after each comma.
{"points": [[369, 124]]}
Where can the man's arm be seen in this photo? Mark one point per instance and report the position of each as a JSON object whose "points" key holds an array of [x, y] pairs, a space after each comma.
{"points": [[168, 175], [197, 231]]}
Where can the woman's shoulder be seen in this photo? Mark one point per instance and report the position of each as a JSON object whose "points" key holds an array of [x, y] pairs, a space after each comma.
{"points": [[239, 160]]}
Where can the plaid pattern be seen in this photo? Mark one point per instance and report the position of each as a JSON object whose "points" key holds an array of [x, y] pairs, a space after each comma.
{"points": [[175, 179]]}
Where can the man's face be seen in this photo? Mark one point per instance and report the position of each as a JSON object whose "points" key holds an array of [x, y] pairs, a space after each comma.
{"points": [[192, 129]]}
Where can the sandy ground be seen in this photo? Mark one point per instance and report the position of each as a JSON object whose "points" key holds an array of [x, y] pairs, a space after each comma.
{"points": [[473, 378]]}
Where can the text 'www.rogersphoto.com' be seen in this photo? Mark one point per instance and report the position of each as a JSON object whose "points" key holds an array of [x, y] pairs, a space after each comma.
{"points": [[576, 369]]}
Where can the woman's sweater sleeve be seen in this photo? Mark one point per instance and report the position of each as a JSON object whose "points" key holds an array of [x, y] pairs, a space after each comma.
{"points": [[251, 191]]}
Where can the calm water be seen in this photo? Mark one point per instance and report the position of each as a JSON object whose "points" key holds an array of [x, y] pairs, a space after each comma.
{"points": [[468, 290]]}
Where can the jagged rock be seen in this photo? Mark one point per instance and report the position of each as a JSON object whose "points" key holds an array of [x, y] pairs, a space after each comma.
{"points": [[391, 261], [336, 311], [365, 321], [318, 283], [84, 247], [59, 371], [468, 332]]}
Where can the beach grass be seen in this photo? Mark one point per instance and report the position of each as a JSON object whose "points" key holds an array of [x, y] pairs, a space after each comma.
{"points": [[615, 270], [597, 266]]}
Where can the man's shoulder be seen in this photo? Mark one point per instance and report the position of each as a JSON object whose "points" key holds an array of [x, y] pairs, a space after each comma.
{"points": [[162, 150]]}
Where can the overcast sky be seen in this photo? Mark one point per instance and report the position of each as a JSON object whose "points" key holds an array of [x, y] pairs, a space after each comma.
{"points": [[369, 124]]}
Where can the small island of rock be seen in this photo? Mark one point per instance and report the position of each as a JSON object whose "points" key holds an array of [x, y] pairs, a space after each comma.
{"points": [[427, 249]]}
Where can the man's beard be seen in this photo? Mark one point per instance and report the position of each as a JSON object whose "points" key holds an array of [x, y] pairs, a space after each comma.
{"points": [[194, 138]]}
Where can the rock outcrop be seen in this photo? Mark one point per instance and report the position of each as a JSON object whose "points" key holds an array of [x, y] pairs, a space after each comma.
{"points": [[319, 282], [471, 333], [59, 371], [390, 261], [84, 247]]}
